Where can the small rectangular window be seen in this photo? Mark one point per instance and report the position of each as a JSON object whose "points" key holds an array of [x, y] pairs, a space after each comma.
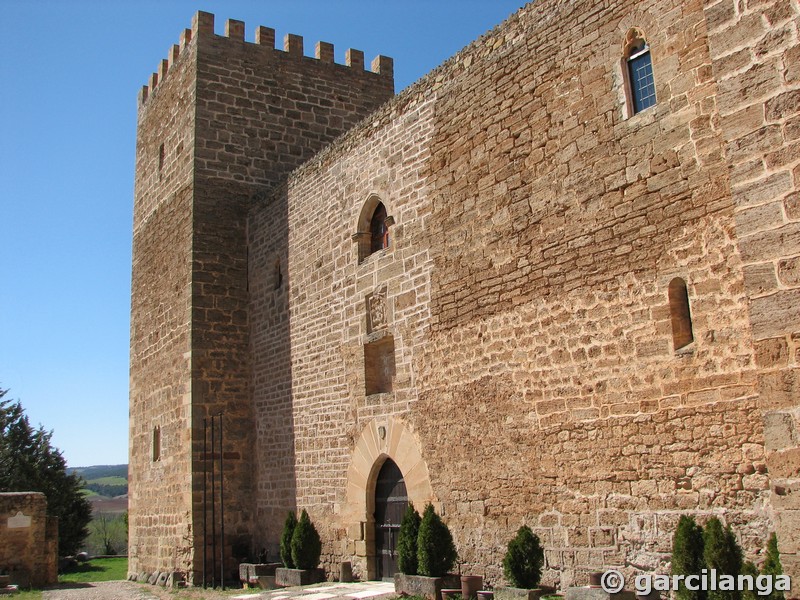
{"points": [[643, 87]]}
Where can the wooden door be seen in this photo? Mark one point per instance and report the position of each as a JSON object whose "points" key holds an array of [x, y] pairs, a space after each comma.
{"points": [[391, 501]]}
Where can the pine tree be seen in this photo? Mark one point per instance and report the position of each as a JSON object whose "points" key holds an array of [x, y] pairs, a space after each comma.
{"points": [[306, 544], [524, 559], [436, 553], [407, 541], [687, 556], [30, 463], [286, 540]]}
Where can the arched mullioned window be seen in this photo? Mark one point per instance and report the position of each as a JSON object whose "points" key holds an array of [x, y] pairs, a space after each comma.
{"points": [[373, 228], [638, 68], [679, 314]]}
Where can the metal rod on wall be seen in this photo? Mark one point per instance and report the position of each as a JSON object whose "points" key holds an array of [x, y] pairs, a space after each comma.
{"points": [[213, 512], [221, 509], [205, 498]]}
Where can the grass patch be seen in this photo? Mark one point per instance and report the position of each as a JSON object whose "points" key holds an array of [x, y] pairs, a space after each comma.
{"points": [[98, 569], [28, 595], [109, 481]]}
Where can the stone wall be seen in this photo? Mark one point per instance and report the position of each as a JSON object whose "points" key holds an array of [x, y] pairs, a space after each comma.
{"points": [[756, 51], [537, 227], [28, 539]]}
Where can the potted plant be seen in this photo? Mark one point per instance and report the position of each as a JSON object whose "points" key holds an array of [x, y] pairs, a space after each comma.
{"points": [[304, 550], [435, 555], [522, 567]]}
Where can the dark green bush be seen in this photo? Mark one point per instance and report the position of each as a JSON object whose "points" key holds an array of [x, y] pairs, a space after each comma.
{"points": [[306, 545], [772, 566], [407, 541], [524, 559], [748, 568], [286, 540], [436, 553], [687, 556], [722, 552]]}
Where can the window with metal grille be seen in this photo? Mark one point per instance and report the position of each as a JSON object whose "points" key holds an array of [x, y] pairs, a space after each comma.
{"points": [[642, 83]]}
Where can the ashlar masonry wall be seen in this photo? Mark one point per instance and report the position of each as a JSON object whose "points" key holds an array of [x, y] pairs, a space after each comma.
{"points": [[755, 50], [536, 229], [222, 122], [160, 522], [310, 328]]}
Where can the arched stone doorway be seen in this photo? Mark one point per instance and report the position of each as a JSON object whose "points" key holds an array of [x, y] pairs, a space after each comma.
{"points": [[391, 501], [381, 441]]}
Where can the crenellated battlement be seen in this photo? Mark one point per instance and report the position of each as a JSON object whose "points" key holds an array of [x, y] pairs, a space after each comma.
{"points": [[203, 27]]}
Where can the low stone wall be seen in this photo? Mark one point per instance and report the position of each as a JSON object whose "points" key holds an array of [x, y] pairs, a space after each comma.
{"points": [[28, 539]]}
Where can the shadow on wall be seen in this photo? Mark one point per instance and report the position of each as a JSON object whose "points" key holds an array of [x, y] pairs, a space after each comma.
{"points": [[270, 341]]}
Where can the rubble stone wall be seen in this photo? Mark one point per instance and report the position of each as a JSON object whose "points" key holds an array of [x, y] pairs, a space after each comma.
{"points": [[28, 540]]}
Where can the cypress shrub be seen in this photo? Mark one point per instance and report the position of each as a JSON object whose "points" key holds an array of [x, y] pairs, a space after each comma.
{"points": [[722, 552], [436, 553], [772, 566], [687, 556], [306, 545], [407, 541], [286, 540], [524, 559], [748, 568]]}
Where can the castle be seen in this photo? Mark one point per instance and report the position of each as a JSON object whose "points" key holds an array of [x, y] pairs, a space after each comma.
{"points": [[555, 282]]}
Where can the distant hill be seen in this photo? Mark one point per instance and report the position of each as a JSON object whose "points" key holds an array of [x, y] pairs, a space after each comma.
{"points": [[106, 486], [101, 471]]}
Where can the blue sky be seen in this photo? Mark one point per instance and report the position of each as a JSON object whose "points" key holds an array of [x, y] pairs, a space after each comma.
{"points": [[71, 72]]}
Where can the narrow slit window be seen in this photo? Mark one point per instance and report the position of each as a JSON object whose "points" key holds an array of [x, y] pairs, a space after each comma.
{"points": [[156, 443], [278, 275], [160, 158], [680, 316]]}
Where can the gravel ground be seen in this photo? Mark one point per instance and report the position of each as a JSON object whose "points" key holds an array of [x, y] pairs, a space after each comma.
{"points": [[126, 590], [105, 590]]}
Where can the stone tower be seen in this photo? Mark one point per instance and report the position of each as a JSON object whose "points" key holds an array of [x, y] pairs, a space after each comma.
{"points": [[221, 122]]}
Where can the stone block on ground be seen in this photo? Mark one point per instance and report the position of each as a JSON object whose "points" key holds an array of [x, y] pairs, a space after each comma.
{"points": [[596, 593], [294, 577], [512, 593], [175, 580], [429, 587]]}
